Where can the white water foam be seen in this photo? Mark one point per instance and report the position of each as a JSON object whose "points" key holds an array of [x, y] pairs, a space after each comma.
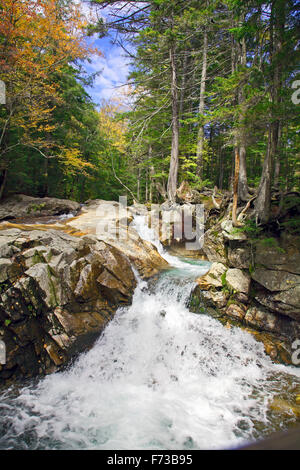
{"points": [[160, 377], [140, 223]]}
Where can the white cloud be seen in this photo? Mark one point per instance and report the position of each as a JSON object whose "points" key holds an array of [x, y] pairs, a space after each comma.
{"points": [[114, 70], [113, 65]]}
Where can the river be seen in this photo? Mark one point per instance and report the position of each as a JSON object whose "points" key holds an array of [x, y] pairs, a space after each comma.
{"points": [[159, 377]]}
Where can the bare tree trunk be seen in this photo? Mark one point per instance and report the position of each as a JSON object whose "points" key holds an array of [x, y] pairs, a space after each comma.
{"points": [[277, 164], [200, 140], [236, 150], [173, 172], [183, 82], [243, 190], [263, 201], [151, 184], [221, 169], [139, 184], [161, 189], [146, 188], [151, 174], [235, 186]]}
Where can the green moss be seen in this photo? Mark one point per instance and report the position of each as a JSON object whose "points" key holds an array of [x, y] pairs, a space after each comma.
{"points": [[251, 268], [53, 295], [225, 287], [249, 228], [4, 286], [36, 207], [38, 258], [32, 310], [223, 280], [271, 243], [233, 301], [194, 302]]}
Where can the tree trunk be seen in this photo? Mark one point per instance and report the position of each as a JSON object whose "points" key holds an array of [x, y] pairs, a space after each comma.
{"points": [[243, 190], [277, 164], [235, 186], [183, 82], [150, 174], [263, 201], [146, 188], [221, 169], [173, 172], [200, 140], [151, 183], [3, 180], [138, 184]]}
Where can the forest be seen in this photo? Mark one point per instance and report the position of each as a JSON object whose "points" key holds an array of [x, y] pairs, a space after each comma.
{"points": [[214, 100]]}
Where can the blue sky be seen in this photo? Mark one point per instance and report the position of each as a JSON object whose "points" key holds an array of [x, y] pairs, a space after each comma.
{"points": [[113, 65], [114, 68]]}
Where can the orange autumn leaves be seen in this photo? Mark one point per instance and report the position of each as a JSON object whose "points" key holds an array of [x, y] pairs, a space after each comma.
{"points": [[38, 38], [113, 128]]}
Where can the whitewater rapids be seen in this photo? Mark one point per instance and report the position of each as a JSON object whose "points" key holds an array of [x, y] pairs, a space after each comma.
{"points": [[159, 377]]}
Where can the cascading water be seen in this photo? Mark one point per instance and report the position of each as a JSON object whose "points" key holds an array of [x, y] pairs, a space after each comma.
{"points": [[159, 377]]}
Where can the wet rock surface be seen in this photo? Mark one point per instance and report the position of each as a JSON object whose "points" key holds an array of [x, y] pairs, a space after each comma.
{"points": [[57, 292], [255, 283]]}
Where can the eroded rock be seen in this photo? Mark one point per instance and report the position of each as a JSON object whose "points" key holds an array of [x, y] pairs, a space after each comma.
{"points": [[57, 292], [111, 223], [22, 206], [238, 280]]}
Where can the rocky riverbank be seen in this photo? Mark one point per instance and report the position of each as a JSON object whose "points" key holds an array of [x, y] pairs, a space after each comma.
{"points": [[254, 282], [25, 207], [60, 285], [254, 279]]}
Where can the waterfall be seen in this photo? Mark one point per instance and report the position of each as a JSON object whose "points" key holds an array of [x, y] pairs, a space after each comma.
{"points": [[159, 377]]}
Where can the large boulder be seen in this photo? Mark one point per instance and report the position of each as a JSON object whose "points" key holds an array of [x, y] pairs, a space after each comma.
{"points": [[254, 281], [264, 320], [239, 256], [57, 292], [267, 303], [213, 278], [237, 280], [282, 255], [213, 246], [277, 275], [229, 232], [111, 222], [21, 206]]}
